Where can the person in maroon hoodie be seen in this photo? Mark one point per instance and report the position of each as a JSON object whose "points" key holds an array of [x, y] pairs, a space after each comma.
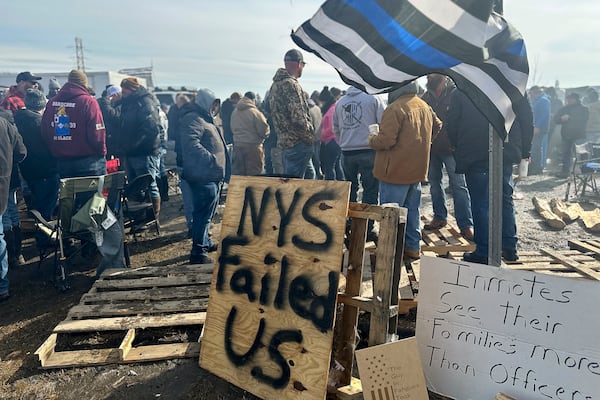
{"points": [[73, 129]]}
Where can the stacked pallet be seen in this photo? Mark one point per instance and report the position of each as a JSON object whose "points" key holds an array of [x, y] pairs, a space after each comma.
{"points": [[133, 315]]}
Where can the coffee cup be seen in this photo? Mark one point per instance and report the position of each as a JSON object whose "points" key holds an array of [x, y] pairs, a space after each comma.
{"points": [[374, 129], [523, 168]]}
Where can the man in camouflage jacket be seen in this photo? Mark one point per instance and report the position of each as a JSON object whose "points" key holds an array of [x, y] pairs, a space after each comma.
{"points": [[291, 119]]}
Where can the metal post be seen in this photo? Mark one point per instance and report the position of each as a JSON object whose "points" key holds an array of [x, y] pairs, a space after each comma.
{"points": [[499, 6], [495, 199]]}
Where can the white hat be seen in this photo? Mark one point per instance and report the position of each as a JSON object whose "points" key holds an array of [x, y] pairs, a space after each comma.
{"points": [[113, 90]]}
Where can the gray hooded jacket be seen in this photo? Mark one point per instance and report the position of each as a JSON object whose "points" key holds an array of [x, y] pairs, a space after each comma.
{"points": [[353, 114]]}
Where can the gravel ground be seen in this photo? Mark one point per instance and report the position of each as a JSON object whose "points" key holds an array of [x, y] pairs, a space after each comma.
{"points": [[35, 307]]}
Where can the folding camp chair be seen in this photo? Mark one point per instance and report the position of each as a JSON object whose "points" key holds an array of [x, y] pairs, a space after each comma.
{"points": [[137, 206], [75, 196], [585, 170]]}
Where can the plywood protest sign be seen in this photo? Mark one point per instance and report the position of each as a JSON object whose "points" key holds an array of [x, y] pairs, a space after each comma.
{"points": [[392, 371], [483, 330], [269, 325]]}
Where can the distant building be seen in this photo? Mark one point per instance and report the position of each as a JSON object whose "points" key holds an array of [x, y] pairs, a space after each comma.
{"points": [[97, 79], [143, 73]]}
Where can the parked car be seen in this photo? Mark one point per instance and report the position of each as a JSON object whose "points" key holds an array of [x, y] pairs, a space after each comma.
{"points": [[166, 96]]}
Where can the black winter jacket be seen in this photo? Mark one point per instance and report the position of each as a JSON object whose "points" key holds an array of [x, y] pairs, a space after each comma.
{"points": [[111, 114], [440, 145], [574, 127], [139, 126], [468, 132], [39, 163], [204, 153]]}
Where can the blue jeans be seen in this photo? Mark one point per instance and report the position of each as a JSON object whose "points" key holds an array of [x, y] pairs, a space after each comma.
{"points": [[297, 161], [331, 161], [478, 183], [10, 218], [187, 197], [316, 160], [539, 148], [3, 262], [80, 167], [460, 194], [360, 163], [141, 165], [44, 195], [408, 196], [205, 198]]}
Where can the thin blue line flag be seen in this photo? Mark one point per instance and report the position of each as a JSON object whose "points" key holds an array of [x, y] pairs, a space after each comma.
{"points": [[379, 45]]}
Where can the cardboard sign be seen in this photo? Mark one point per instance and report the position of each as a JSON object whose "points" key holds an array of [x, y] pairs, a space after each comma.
{"points": [[392, 371], [269, 325], [483, 330]]}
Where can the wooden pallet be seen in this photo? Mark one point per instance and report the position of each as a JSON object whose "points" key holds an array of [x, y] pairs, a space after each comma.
{"points": [[127, 304], [590, 247], [384, 301], [566, 263], [444, 240]]}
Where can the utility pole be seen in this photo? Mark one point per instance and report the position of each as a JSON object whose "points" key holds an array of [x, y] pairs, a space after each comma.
{"points": [[79, 54]]}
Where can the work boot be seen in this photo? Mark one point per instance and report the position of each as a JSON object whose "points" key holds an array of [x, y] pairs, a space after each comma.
{"points": [[13, 247], [468, 233], [412, 254], [510, 255], [201, 259], [475, 258], [435, 224]]}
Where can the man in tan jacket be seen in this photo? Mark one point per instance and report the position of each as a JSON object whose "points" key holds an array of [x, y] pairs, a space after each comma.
{"points": [[250, 128], [402, 148]]}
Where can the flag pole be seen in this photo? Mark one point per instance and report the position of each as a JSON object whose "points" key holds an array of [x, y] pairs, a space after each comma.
{"points": [[495, 199], [499, 6], [495, 188]]}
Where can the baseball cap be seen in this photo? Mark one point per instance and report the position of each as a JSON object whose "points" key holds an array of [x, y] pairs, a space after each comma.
{"points": [[27, 76], [113, 90], [293, 56]]}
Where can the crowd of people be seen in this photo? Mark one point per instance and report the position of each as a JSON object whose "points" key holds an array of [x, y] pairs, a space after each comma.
{"points": [[386, 148], [559, 127], [63, 135]]}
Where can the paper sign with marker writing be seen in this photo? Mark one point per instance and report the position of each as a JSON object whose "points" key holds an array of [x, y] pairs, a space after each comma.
{"points": [[392, 371], [483, 330]]}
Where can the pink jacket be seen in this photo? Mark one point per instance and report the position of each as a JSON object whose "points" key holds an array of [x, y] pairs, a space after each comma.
{"points": [[327, 134]]}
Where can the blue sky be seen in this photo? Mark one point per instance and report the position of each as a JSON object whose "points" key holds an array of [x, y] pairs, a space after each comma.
{"points": [[235, 45]]}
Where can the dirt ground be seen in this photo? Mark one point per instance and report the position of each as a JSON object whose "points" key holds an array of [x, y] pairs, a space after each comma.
{"points": [[35, 307]]}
